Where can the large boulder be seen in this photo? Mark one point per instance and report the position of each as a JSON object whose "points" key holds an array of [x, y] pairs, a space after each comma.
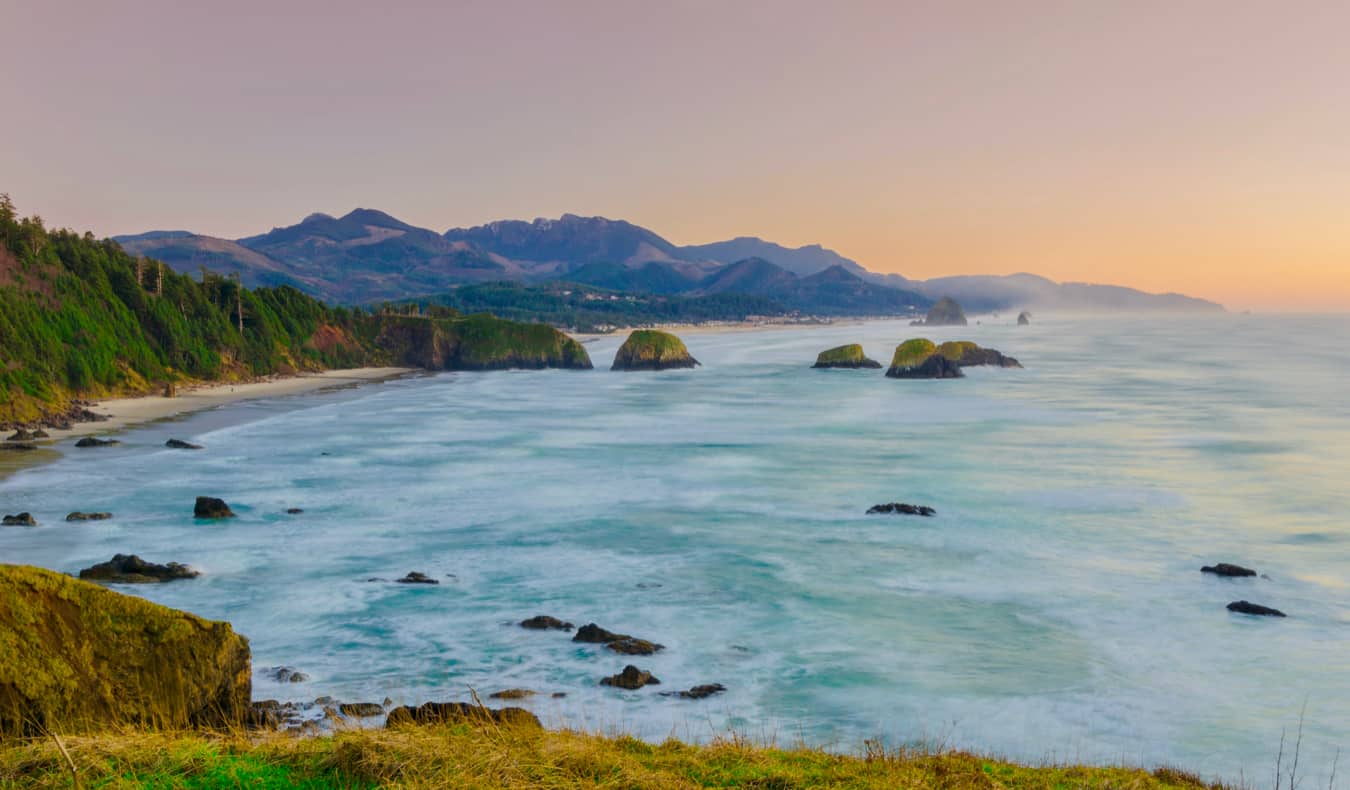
{"points": [[24, 519], [921, 358], [850, 356], [650, 349], [94, 441], [76, 656], [630, 678], [945, 312], [211, 507], [130, 569], [543, 622]]}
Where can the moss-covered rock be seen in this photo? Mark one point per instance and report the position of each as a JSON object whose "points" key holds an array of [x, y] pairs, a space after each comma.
{"points": [[850, 356], [75, 656], [478, 342], [650, 349], [945, 312], [920, 358]]}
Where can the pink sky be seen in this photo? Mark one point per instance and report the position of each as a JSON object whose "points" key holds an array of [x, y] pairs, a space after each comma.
{"points": [[1201, 147]]}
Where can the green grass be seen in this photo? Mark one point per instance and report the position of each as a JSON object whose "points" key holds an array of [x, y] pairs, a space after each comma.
{"points": [[485, 756]]}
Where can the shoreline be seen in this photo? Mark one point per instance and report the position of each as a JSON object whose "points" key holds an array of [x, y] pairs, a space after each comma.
{"points": [[126, 413]]}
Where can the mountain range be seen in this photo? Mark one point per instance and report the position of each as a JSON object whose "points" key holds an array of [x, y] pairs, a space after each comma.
{"points": [[368, 256]]}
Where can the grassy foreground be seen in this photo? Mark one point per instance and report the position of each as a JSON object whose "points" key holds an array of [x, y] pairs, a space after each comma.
{"points": [[479, 756]]}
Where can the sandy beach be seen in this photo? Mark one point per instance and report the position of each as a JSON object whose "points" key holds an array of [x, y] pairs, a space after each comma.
{"points": [[127, 412]]}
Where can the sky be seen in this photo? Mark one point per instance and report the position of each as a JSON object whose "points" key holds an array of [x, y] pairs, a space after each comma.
{"points": [[1191, 146]]}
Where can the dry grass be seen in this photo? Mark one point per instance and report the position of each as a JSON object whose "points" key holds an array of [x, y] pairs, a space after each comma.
{"points": [[474, 756]]}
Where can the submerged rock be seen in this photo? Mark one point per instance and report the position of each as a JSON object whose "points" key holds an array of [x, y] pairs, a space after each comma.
{"points": [[80, 657], [543, 622], [24, 519], [697, 692], [1246, 607], [1023, 318], [94, 441], [902, 509], [593, 633], [945, 312], [1227, 569], [631, 646], [294, 511], [210, 507], [850, 356], [179, 444], [650, 349], [440, 712], [631, 678], [414, 577], [79, 516], [130, 569]]}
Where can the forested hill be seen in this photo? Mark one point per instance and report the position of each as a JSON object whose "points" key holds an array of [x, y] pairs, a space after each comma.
{"points": [[79, 317]]}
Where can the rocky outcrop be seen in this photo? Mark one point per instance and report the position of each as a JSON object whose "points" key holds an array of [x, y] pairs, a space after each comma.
{"points": [[285, 674], [179, 444], [1227, 569], [543, 622], [594, 634], [25, 435], [210, 507], [697, 692], [650, 349], [921, 358], [478, 342], [94, 441], [900, 508], [416, 577], [80, 516], [453, 712], [24, 519], [1246, 607], [78, 657], [1023, 318], [631, 678], [850, 356], [945, 312], [361, 710], [130, 569], [631, 646]]}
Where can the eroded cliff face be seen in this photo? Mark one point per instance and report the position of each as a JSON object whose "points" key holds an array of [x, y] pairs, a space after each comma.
{"points": [[75, 656]]}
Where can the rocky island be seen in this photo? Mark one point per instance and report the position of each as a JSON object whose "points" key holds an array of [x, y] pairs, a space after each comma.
{"points": [[651, 349], [850, 356], [921, 358], [945, 312]]}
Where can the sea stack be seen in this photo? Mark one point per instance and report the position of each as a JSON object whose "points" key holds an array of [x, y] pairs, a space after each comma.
{"points": [[80, 657], [850, 356], [921, 358], [1023, 318], [650, 349], [947, 312]]}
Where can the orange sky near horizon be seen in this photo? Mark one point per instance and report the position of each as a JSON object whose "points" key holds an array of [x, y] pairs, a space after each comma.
{"points": [[1201, 147]]}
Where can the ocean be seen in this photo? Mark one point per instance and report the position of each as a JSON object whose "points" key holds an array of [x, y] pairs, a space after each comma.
{"points": [[1052, 609]]}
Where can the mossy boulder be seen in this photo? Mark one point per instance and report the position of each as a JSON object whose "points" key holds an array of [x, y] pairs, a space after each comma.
{"points": [[650, 349], [75, 656], [850, 356], [921, 358]]}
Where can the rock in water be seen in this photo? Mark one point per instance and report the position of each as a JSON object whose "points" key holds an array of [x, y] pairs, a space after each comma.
{"points": [[1245, 607], [902, 509], [634, 647], [78, 657], [649, 349], [946, 312], [130, 569], [361, 710], [850, 356], [697, 692], [414, 577], [440, 712], [1023, 318], [78, 516], [285, 674], [631, 678], [1227, 569], [543, 622], [511, 694], [593, 633], [24, 519], [94, 441], [921, 358], [210, 507], [179, 444]]}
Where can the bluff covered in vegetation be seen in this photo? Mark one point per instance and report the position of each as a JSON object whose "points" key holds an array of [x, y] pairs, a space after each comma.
{"points": [[80, 317], [651, 349]]}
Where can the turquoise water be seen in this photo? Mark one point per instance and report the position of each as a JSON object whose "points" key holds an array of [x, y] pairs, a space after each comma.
{"points": [[1053, 609]]}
